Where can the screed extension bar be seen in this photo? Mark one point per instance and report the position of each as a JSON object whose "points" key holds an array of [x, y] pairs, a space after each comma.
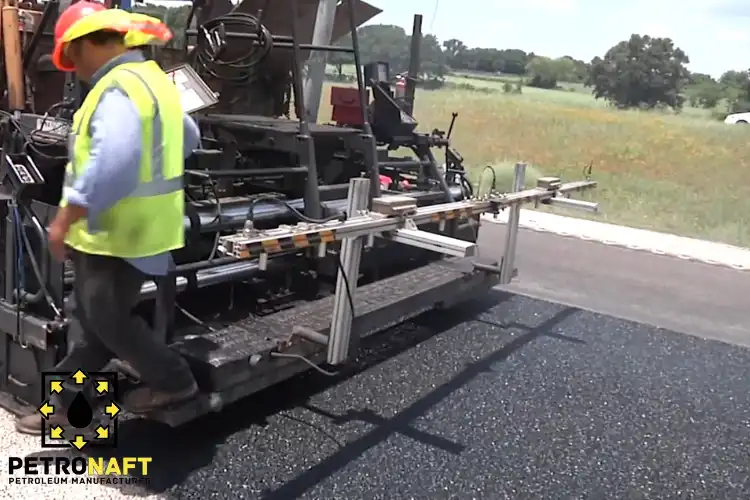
{"points": [[396, 217], [393, 216]]}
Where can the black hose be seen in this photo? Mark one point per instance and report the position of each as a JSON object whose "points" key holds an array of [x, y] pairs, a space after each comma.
{"points": [[40, 273], [194, 231], [20, 294], [302, 217], [211, 46]]}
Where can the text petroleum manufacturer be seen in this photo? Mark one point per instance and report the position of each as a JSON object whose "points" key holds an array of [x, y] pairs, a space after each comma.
{"points": [[78, 470]]}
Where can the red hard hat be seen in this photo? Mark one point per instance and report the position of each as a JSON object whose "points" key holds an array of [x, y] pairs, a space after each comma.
{"points": [[67, 19]]}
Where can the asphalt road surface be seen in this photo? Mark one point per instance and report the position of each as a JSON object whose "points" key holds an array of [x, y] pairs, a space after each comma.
{"points": [[510, 397], [689, 297]]}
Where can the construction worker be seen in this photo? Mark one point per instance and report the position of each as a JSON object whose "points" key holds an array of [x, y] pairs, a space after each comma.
{"points": [[121, 211]]}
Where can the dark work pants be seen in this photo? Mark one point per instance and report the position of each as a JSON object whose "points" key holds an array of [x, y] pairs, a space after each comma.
{"points": [[106, 291]]}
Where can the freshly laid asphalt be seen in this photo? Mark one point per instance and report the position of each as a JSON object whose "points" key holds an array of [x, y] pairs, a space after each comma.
{"points": [[509, 397]]}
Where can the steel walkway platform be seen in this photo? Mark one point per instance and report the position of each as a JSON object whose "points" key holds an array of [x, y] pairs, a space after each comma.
{"points": [[253, 354]]}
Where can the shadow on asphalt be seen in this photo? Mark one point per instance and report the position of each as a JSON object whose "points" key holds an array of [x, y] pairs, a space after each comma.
{"points": [[177, 452]]}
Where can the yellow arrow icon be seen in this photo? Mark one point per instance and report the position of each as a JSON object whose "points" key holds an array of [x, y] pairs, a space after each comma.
{"points": [[102, 386], [55, 386], [112, 410], [102, 432], [79, 377], [46, 410], [78, 442], [56, 432]]}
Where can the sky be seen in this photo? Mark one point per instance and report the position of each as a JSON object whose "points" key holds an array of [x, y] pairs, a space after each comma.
{"points": [[714, 33]]}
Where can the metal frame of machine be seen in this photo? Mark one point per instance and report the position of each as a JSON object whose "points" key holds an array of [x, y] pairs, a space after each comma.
{"points": [[307, 272]]}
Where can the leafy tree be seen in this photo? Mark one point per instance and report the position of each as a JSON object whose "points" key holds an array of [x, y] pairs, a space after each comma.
{"points": [[338, 60], [579, 71], [174, 17], [391, 44], [511, 61], [455, 52], [740, 100], [432, 58], [545, 73], [514, 61], [640, 72], [736, 86], [706, 94], [732, 78], [700, 78], [382, 42]]}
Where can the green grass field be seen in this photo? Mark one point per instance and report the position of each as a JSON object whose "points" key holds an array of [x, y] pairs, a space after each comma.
{"points": [[679, 173]]}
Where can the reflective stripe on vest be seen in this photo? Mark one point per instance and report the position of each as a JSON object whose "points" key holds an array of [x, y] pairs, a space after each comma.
{"points": [[158, 185], [150, 220]]}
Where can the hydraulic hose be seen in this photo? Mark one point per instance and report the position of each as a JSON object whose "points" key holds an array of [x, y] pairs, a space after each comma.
{"points": [[212, 45], [41, 272]]}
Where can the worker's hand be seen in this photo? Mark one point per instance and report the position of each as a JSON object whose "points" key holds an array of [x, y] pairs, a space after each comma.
{"points": [[56, 241]]}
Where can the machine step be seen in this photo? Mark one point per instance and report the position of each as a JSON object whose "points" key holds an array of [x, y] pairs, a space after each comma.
{"points": [[240, 352], [254, 354]]}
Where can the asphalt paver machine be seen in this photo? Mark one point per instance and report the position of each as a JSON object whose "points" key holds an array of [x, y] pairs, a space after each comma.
{"points": [[301, 237]]}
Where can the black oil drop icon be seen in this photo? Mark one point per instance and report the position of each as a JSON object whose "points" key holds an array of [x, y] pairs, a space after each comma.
{"points": [[80, 412]]}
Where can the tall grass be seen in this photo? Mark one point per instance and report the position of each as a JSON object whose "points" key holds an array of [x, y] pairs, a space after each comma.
{"points": [[678, 173]]}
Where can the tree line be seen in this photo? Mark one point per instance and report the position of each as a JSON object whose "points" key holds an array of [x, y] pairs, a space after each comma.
{"points": [[642, 72]]}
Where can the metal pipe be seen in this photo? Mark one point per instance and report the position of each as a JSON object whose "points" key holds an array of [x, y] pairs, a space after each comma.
{"points": [[404, 164], [208, 277], [13, 57], [367, 137], [229, 272], [414, 62], [206, 174], [306, 147], [434, 171], [268, 214], [511, 237], [310, 335], [310, 46], [148, 289], [234, 214], [203, 264], [358, 65], [299, 99], [316, 66], [11, 246], [571, 203]]}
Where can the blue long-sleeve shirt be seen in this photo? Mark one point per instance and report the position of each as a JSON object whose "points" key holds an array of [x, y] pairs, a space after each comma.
{"points": [[112, 172]]}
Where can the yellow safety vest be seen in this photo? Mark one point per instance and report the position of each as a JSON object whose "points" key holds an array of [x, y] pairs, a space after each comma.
{"points": [[150, 220]]}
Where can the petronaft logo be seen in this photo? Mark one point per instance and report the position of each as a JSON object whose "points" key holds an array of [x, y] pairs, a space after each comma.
{"points": [[86, 429], [87, 402]]}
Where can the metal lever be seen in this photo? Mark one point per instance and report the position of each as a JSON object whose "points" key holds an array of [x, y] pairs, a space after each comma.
{"points": [[573, 204]]}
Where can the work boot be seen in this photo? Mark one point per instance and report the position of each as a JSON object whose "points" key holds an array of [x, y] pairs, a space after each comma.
{"points": [[145, 400], [32, 424]]}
